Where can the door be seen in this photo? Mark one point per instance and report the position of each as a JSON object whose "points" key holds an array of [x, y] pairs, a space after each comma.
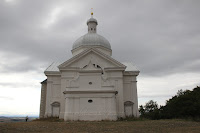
{"points": [[55, 111], [128, 108]]}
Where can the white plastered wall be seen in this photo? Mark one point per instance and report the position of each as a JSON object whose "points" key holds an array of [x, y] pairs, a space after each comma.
{"points": [[76, 77], [130, 92], [101, 81], [102, 107], [53, 93], [66, 78]]}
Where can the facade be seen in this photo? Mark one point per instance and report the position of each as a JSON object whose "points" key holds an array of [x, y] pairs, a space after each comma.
{"points": [[91, 85]]}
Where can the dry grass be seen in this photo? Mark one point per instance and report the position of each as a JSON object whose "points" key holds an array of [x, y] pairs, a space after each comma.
{"points": [[139, 126]]}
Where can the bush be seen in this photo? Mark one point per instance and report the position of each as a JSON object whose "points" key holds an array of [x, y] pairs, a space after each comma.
{"points": [[150, 110], [184, 105]]}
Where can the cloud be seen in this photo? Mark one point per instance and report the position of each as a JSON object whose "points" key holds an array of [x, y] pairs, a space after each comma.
{"points": [[162, 88], [160, 37], [16, 63], [6, 98], [22, 91]]}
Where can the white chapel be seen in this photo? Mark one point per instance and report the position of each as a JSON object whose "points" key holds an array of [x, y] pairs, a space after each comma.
{"points": [[91, 85]]}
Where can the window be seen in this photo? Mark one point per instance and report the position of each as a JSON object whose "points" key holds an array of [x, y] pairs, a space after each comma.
{"points": [[90, 101], [98, 66], [85, 66]]}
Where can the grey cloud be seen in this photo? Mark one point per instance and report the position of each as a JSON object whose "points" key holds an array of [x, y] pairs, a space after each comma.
{"points": [[155, 95], [6, 98], [160, 37], [12, 84]]}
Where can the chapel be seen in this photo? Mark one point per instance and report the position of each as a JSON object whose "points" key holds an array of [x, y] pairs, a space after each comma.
{"points": [[92, 85]]}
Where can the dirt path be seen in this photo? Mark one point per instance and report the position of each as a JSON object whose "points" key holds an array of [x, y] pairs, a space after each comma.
{"points": [[147, 126]]}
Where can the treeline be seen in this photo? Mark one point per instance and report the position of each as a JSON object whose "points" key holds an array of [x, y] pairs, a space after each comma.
{"points": [[185, 104]]}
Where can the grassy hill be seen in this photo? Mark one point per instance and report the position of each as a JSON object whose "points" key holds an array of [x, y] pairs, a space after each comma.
{"points": [[14, 119], [138, 126]]}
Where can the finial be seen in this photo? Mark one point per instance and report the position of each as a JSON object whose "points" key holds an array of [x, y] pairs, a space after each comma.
{"points": [[92, 12]]}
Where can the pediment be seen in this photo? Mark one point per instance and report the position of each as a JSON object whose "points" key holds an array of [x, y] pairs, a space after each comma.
{"points": [[91, 59], [90, 66]]}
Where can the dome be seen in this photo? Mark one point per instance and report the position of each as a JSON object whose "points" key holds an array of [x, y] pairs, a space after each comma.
{"points": [[92, 20], [91, 39]]}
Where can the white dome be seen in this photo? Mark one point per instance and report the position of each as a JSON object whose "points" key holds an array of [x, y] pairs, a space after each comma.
{"points": [[92, 20], [91, 39]]}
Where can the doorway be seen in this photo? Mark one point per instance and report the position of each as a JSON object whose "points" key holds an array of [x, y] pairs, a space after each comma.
{"points": [[128, 108], [55, 109]]}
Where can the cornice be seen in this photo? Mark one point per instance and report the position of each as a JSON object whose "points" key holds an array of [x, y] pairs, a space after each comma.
{"points": [[85, 52], [52, 73], [90, 91], [131, 73], [85, 46]]}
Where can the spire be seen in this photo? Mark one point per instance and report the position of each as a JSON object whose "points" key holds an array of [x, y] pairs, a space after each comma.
{"points": [[91, 12], [92, 23]]}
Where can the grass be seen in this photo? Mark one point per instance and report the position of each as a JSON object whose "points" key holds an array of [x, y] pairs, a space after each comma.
{"points": [[53, 125], [50, 119]]}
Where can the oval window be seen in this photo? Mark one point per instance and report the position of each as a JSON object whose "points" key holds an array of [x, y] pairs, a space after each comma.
{"points": [[90, 101]]}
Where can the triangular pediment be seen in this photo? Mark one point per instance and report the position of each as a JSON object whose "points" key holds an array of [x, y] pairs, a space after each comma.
{"points": [[89, 58], [90, 66]]}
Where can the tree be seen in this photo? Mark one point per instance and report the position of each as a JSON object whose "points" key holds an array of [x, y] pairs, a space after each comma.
{"points": [[150, 110], [183, 105]]}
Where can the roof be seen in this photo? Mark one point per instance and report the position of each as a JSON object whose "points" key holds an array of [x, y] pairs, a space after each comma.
{"points": [[130, 66], [44, 81], [85, 52], [91, 39], [54, 67], [92, 20]]}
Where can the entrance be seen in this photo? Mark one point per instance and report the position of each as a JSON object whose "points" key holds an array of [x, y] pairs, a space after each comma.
{"points": [[128, 108], [55, 109]]}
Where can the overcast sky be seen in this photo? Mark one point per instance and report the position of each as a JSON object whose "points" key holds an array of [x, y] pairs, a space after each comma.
{"points": [[161, 37]]}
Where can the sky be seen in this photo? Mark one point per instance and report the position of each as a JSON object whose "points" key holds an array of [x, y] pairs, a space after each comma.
{"points": [[161, 37]]}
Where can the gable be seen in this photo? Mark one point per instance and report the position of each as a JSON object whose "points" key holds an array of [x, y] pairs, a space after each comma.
{"points": [[91, 66], [94, 56]]}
